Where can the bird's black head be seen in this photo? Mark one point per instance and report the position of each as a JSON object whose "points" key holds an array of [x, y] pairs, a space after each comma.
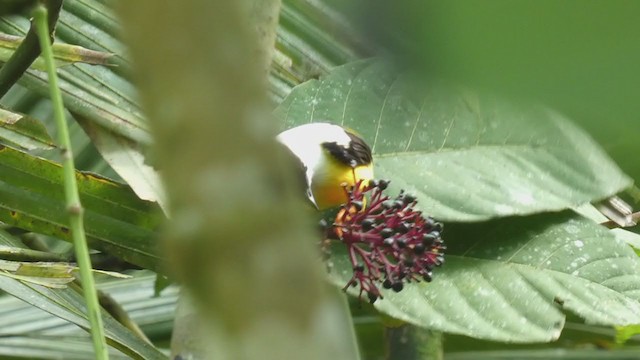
{"points": [[357, 153]]}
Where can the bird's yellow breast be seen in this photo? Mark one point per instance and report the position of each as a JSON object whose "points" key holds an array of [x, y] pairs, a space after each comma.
{"points": [[327, 185]]}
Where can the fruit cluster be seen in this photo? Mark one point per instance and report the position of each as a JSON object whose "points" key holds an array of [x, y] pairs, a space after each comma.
{"points": [[389, 242]]}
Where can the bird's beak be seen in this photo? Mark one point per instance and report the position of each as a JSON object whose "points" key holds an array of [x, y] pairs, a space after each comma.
{"points": [[364, 173]]}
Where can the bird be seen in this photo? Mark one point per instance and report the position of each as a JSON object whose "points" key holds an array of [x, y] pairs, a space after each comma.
{"points": [[330, 157]]}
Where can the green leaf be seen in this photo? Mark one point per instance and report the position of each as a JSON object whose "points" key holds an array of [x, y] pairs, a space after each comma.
{"points": [[154, 314], [537, 49], [127, 159], [97, 92], [23, 131], [69, 304], [64, 54], [52, 347], [20, 253], [631, 238], [624, 333], [509, 279], [46, 273], [53, 275], [548, 354], [467, 156], [589, 211], [15, 6], [116, 221], [11, 241], [106, 97]]}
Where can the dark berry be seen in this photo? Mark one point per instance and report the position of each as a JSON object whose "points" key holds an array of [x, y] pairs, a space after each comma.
{"points": [[397, 286], [357, 204], [387, 284], [383, 184], [386, 232], [403, 227], [372, 297], [367, 224], [388, 242], [428, 224], [408, 199], [428, 239], [408, 262]]}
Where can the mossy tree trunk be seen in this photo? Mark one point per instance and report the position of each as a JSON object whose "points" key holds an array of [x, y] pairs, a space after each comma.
{"points": [[239, 239]]}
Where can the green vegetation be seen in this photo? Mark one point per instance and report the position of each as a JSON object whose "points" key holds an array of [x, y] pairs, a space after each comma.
{"points": [[509, 122]]}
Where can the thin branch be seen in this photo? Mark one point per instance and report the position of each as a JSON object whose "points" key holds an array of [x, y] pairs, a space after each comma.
{"points": [[27, 52], [74, 207]]}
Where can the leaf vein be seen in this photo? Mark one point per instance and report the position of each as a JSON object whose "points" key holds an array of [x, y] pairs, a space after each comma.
{"points": [[346, 100], [384, 104], [415, 126]]}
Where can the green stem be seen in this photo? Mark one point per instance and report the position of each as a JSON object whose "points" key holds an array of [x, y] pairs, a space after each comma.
{"points": [[74, 208], [431, 344], [27, 52], [408, 342]]}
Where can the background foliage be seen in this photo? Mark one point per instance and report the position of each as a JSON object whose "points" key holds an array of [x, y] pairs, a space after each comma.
{"points": [[464, 130]]}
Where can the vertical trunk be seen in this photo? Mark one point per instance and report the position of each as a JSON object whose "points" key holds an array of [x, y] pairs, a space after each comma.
{"points": [[239, 238]]}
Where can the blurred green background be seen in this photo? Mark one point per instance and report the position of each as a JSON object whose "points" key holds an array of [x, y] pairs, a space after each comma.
{"points": [[578, 56]]}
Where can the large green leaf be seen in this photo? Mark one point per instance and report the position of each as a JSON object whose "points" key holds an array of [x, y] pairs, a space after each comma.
{"points": [[23, 131], [549, 354], [153, 313], [467, 156], [102, 100], [53, 275], [127, 158], [52, 347], [583, 65], [63, 54], [10, 241], [116, 221], [510, 279], [68, 304], [97, 92], [105, 102]]}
